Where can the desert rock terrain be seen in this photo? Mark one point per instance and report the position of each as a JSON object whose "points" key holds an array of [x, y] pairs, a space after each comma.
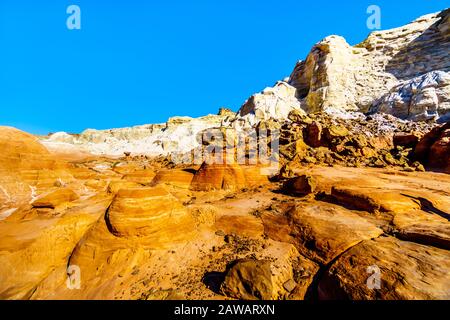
{"points": [[352, 200]]}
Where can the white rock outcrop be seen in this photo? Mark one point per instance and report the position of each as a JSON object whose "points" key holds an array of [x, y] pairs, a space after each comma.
{"points": [[338, 76], [272, 103], [422, 98], [177, 135]]}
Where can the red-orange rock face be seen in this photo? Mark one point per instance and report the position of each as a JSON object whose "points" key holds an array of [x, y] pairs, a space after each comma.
{"points": [[434, 149], [227, 177], [219, 176]]}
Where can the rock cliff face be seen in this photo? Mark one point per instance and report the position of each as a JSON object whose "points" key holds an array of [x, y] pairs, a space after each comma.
{"points": [[380, 74], [178, 134]]}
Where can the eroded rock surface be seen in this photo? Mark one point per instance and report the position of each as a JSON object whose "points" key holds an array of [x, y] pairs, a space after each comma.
{"points": [[408, 271], [343, 196]]}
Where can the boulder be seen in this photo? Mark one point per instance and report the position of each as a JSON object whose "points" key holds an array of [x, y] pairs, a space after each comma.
{"points": [[152, 213], [406, 140], [406, 270], [249, 280], [302, 185], [54, 198], [439, 157], [313, 134], [335, 131], [322, 232]]}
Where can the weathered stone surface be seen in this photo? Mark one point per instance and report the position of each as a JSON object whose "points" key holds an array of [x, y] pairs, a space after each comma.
{"points": [[408, 271], [246, 226], [314, 134], [301, 185], [27, 169], [149, 212], [321, 232], [140, 176], [219, 176], [249, 280], [284, 274], [135, 242], [23, 151], [30, 250], [373, 200], [54, 198], [178, 134], [429, 228], [434, 149], [181, 178], [426, 97], [336, 76], [115, 186], [406, 140], [274, 102]]}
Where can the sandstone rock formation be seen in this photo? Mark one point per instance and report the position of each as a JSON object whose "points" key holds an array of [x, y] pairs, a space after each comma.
{"points": [[249, 280], [425, 268], [54, 198], [138, 224], [227, 177], [426, 97], [27, 169], [434, 148], [181, 178], [149, 212], [403, 72], [301, 185]]}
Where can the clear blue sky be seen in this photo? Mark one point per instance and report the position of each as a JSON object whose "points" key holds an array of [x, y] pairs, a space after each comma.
{"points": [[136, 62]]}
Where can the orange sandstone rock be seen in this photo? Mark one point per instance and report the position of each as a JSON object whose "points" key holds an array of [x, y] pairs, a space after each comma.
{"points": [[149, 212]]}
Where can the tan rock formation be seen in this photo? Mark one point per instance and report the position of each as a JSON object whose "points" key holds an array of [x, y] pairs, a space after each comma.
{"points": [[301, 185], [408, 271], [181, 178], [324, 232], [219, 176], [54, 198], [152, 213]]}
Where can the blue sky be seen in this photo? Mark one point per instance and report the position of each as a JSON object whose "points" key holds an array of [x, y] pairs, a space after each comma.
{"points": [[136, 62]]}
